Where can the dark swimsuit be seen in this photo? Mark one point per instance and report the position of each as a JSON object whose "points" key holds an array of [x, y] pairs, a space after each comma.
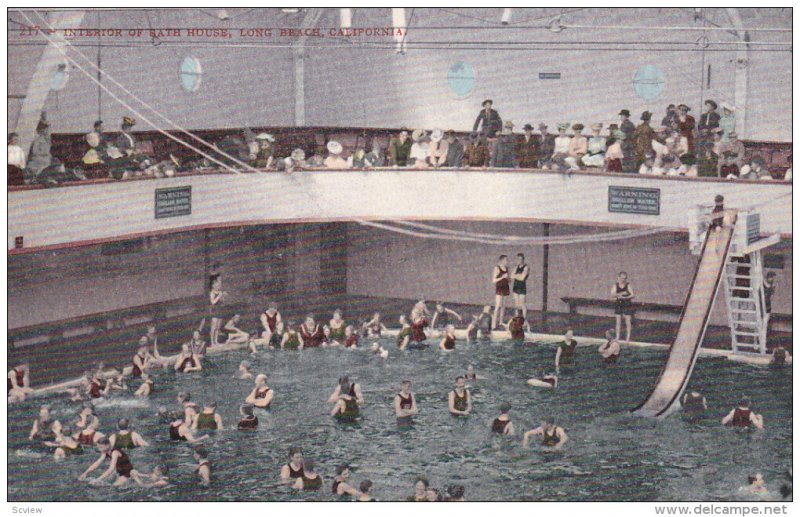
{"points": [[262, 395], [550, 440], [137, 372], [449, 342], [189, 361], [86, 439], [623, 306], [124, 441], [517, 328], [549, 380], [271, 321], [417, 330], [124, 465], [337, 334], [502, 288], [20, 380], [294, 474], [405, 403], [351, 342], [312, 339], [460, 402], [568, 352], [312, 484], [485, 324], [174, 433], [406, 331], [248, 423], [206, 421], [94, 390], [741, 417], [499, 426], [520, 286]]}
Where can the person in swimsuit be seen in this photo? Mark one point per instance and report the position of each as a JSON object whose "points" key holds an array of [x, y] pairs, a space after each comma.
{"points": [[350, 338], [203, 468], [377, 349], [346, 407], [86, 416], [261, 396], [41, 425], [500, 279], [97, 388], [743, 417], [340, 486], [520, 285], [89, 435], [146, 387], [186, 361], [196, 345], [623, 303], [140, 360], [119, 463], [117, 383], [405, 405], [455, 493], [18, 383], [420, 491], [609, 350], [485, 322], [552, 435], [418, 325], [188, 408], [236, 336], [269, 321], [156, 479], [310, 480], [544, 380], [180, 431], [216, 297], [64, 443], [249, 420], [327, 341], [459, 400], [243, 373], [366, 492], [472, 329], [517, 326], [565, 355], [294, 469], [208, 419], [345, 386], [693, 404], [780, 357], [337, 325], [433, 495], [311, 333], [441, 316], [448, 342], [291, 340], [470, 374], [502, 424], [124, 438], [755, 485], [404, 337], [374, 328]]}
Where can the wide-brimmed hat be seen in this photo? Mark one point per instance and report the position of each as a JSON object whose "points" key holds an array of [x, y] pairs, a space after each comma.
{"points": [[646, 115], [265, 136], [128, 121], [711, 103], [437, 134], [727, 106], [577, 127], [563, 126], [597, 126], [487, 101], [417, 134], [334, 147], [684, 107], [542, 126], [527, 127], [625, 112]]}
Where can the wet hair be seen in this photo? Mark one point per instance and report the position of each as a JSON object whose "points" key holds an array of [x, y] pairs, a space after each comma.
{"points": [[123, 424], [247, 409], [309, 465], [744, 402], [201, 451], [423, 480], [213, 404], [751, 479], [771, 274], [295, 450], [505, 407], [344, 378], [719, 199], [520, 255], [406, 381], [344, 386], [11, 137], [341, 468], [622, 273], [503, 257], [460, 378], [455, 491], [366, 485]]}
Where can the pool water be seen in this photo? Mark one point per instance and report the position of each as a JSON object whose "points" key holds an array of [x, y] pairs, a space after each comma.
{"points": [[611, 455]]}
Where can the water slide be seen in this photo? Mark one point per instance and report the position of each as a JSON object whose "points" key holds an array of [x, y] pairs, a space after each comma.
{"points": [[664, 399]]}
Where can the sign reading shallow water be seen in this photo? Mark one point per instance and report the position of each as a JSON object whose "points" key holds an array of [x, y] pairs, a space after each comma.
{"points": [[632, 200], [173, 202]]}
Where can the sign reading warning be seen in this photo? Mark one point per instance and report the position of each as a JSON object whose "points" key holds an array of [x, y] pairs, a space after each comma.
{"points": [[173, 202], [632, 200]]}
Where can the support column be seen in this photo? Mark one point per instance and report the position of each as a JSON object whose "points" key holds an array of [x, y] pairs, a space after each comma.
{"points": [[299, 87], [741, 67], [545, 265]]}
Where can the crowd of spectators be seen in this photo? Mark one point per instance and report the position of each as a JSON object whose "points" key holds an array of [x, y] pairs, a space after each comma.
{"points": [[679, 146]]}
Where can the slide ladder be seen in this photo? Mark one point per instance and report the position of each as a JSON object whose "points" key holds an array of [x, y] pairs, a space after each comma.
{"points": [[664, 398], [744, 296]]}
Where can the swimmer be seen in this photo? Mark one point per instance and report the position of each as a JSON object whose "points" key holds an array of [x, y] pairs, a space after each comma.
{"points": [[311, 333], [350, 337], [244, 371], [418, 325], [208, 419], [179, 431], [519, 288], [718, 219], [89, 435], [565, 355], [236, 336], [780, 357], [502, 289], [294, 469], [337, 325], [374, 328], [472, 329], [310, 480], [41, 425], [378, 349], [441, 316], [186, 361], [261, 396], [346, 407], [543, 380], [156, 479], [610, 349], [19, 383], [340, 486], [404, 337], [693, 404], [552, 435], [433, 495], [502, 424], [216, 301], [146, 388], [249, 420], [189, 408], [742, 416], [96, 388], [420, 491], [196, 345], [352, 389], [485, 322], [86, 416], [448, 341], [327, 340], [755, 485], [119, 463], [140, 360], [623, 304], [517, 326], [366, 492], [117, 383], [459, 400], [269, 321], [291, 340], [405, 404], [455, 493], [124, 438], [65, 444], [470, 374], [203, 467], [276, 337]]}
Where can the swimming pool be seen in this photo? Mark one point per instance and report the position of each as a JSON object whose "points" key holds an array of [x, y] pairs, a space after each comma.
{"points": [[611, 454]]}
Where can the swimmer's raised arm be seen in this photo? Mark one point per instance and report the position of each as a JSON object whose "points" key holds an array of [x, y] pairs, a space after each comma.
{"points": [[728, 417], [92, 467], [533, 432], [454, 313], [138, 440]]}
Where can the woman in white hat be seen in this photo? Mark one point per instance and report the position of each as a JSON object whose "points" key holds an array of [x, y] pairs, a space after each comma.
{"points": [[578, 147], [334, 159], [265, 151], [727, 123], [596, 150], [419, 149], [560, 147], [438, 148]]}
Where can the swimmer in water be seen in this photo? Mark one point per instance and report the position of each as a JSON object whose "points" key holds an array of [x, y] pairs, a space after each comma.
{"points": [[459, 400], [565, 355], [448, 341], [404, 337], [119, 463], [485, 322], [552, 435], [378, 349], [244, 371], [742, 416], [236, 336], [337, 325], [472, 329], [97, 388], [366, 492], [141, 359], [196, 345], [327, 340], [780, 357], [455, 493], [41, 425], [755, 485], [544, 380], [208, 419], [420, 491], [441, 316], [189, 408], [203, 468], [502, 424], [291, 340], [433, 495], [89, 435], [186, 361], [340, 486], [405, 404], [124, 438], [156, 479], [19, 383], [146, 387], [346, 407], [310, 480], [374, 328], [311, 333], [470, 374], [610, 349], [418, 325], [180, 431], [249, 420], [269, 321], [693, 404], [294, 469], [517, 326], [350, 338], [261, 396], [345, 386], [65, 444], [86, 416]]}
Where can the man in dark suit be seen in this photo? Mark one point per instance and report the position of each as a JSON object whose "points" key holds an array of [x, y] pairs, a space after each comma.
{"points": [[488, 121], [628, 144], [686, 125], [527, 148]]}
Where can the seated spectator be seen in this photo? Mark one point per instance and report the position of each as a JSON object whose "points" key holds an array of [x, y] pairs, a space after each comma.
{"points": [[614, 155], [649, 166], [455, 150], [56, 173], [755, 170], [16, 161], [676, 143], [727, 122], [578, 147], [334, 159], [504, 149], [688, 166], [547, 144], [400, 149], [438, 148], [418, 157], [734, 144], [39, 156], [596, 150], [264, 154], [707, 159], [561, 147], [729, 169], [476, 154], [527, 147], [358, 159], [126, 143], [669, 164], [375, 157]]}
